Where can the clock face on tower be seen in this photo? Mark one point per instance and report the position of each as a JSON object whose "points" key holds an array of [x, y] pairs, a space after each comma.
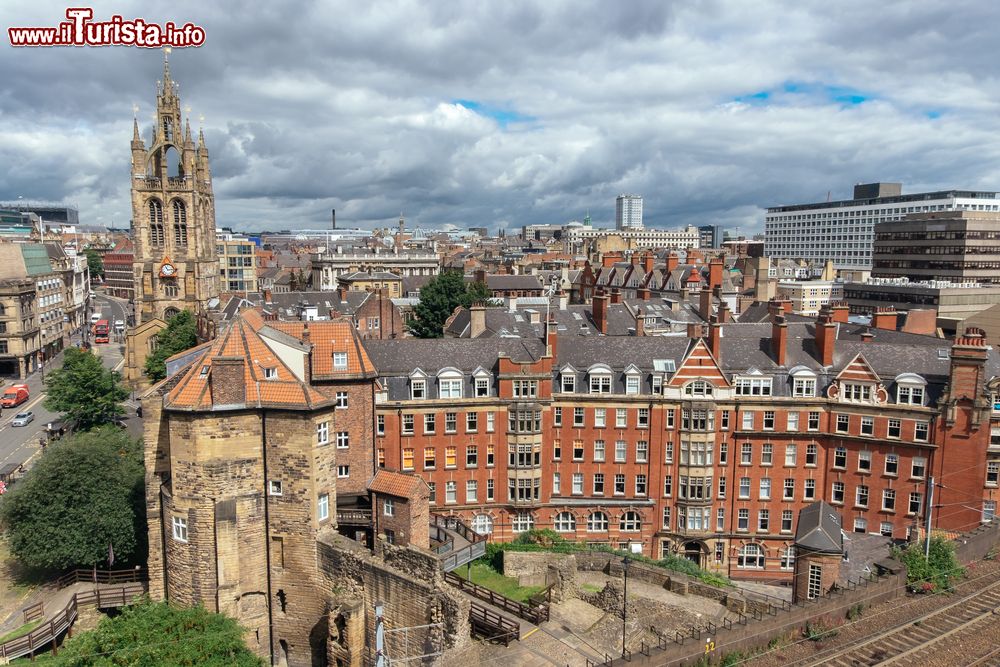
{"points": [[167, 270]]}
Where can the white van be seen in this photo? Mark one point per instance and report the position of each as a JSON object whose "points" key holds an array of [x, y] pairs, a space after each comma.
{"points": [[95, 318]]}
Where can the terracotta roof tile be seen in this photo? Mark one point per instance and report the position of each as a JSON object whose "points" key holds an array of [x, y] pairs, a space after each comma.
{"points": [[392, 483]]}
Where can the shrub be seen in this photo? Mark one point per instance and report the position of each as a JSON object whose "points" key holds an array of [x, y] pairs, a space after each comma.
{"points": [[928, 575], [817, 630]]}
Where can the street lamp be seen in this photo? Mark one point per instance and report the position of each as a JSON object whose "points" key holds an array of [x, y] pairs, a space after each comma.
{"points": [[625, 564]]}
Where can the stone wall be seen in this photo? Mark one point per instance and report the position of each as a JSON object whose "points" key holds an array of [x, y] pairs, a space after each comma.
{"points": [[535, 568], [407, 582]]}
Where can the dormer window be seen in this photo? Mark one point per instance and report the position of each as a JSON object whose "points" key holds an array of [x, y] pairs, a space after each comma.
{"points": [[271, 373], [340, 361], [910, 389], [482, 387], [567, 381], [803, 382], [633, 380], [450, 383], [600, 379], [418, 389], [698, 388], [657, 384]]}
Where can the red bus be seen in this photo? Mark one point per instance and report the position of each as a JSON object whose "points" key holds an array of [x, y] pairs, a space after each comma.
{"points": [[101, 330]]}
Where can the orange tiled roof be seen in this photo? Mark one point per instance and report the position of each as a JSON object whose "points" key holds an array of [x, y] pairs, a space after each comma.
{"points": [[391, 483], [242, 340]]}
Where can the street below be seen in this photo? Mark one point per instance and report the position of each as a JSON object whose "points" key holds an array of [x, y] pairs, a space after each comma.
{"points": [[18, 444]]}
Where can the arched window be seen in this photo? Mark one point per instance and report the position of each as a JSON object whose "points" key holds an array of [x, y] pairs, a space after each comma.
{"points": [[155, 223], [698, 388], [565, 522], [482, 524], [751, 557], [630, 522], [180, 223], [597, 522]]}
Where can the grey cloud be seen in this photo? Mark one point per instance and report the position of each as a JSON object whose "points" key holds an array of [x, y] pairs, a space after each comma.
{"points": [[349, 105]]}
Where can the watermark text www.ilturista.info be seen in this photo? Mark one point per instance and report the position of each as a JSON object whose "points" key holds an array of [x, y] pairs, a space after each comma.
{"points": [[81, 30]]}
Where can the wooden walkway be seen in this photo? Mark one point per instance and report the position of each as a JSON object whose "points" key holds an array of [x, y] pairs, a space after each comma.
{"points": [[112, 589]]}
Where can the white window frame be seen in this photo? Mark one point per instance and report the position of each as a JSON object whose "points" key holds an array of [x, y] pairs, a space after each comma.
{"points": [[323, 507], [180, 529]]}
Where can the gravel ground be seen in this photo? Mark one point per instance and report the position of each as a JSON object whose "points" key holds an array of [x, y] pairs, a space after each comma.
{"points": [[889, 614], [964, 647]]}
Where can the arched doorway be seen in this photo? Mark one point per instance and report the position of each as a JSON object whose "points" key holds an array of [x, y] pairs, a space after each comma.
{"points": [[693, 551]]}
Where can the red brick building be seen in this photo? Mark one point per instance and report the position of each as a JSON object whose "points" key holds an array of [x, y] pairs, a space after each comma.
{"points": [[118, 277], [705, 446]]}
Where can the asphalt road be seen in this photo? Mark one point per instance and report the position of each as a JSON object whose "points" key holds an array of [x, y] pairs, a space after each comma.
{"points": [[19, 444]]}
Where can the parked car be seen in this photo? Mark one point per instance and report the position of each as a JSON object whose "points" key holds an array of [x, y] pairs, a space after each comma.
{"points": [[23, 418]]}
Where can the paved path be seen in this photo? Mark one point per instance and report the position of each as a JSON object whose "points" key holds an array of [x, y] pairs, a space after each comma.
{"points": [[53, 600]]}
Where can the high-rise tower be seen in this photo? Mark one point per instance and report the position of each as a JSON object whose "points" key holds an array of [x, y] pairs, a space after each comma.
{"points": [[173, 214], [628, 212]]}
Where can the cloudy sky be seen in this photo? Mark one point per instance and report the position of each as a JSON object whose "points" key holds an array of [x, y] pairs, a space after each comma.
{"points": [[508, 113]]}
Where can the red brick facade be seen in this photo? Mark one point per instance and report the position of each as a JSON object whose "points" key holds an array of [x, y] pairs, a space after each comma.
{"points": [[709, 461]]}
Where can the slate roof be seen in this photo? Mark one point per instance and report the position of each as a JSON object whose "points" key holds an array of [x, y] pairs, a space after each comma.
{"points": [[819, 529], [401, 356], [506, 282]]}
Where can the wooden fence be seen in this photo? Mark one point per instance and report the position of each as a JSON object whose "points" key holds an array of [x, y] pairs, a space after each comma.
{"points": [[492, 626], [536, 614], [47, 634]]}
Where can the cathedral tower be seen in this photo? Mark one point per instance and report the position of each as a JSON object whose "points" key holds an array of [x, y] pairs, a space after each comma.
{"points": [[173, 215]]}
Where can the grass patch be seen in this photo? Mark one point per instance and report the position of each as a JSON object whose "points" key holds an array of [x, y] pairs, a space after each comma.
{"points": [[21, 631], [486, 576], [591, 588]]}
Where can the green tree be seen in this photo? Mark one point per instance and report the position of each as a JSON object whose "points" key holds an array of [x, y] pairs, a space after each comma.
{"points": [[439, 298], [181, 334], [84, 390], [94, 262], [157, 633], [84, 494], [927, 575]]}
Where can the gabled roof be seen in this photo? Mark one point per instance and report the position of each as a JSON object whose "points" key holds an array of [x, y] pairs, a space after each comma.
{"points": [[699, 363], [859, 370], [392, 483], [819, 529]]}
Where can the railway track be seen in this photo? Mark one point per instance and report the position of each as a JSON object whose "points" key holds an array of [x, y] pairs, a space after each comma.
{"points": [[906, 644]]}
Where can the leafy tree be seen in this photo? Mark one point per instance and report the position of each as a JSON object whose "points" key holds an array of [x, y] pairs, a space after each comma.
{"points": [[927, 575], [439, 298], [181, 334], [84, 494], [84, 390], [157, 633], [94, 262]]}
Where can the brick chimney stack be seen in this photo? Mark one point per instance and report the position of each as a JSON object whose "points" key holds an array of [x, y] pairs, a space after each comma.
{"points": [[705, 304], [600, 311], [616, 295], [841, 312], [640, 323], [695, 330], [647, 261], [477, 320], [779, 339], [551, 337], [642, 293], [672, 262], [715, 338], [884, 317], [715, 273], [826, 336]]}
